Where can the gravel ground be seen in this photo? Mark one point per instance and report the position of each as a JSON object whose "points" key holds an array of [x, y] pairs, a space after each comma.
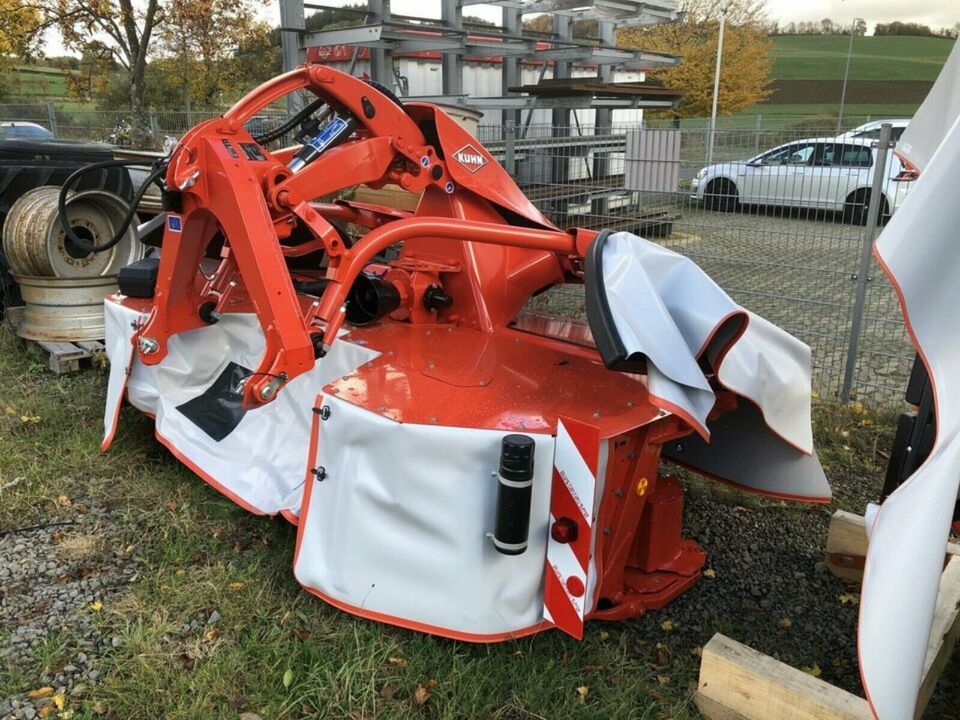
{"points": [[54, 580], [771, 590]]}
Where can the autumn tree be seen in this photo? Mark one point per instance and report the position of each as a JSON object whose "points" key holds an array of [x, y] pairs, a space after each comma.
{"points": [[202, 44], [746, 66], [118, 27], [18, 35]]}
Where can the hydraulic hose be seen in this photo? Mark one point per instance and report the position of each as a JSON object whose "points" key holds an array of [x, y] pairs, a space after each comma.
{"points": [[155, 175], [280, 131]]}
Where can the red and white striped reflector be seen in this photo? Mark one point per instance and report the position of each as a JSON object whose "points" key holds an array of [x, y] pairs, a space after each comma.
{"points": [[575, 460]]}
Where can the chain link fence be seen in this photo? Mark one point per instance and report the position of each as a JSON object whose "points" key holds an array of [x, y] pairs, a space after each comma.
{"points": [[781, 217], [114, 127]]}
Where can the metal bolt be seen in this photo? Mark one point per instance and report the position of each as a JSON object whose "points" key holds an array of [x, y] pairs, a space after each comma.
{"points": [[269, 391], [679, 447], [631, 454], [325, 412], [449, 188], [190, 181], [148, 345], [425, 161], [607, 531], [320, 472]]}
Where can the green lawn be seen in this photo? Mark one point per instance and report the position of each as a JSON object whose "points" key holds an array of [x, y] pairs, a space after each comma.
{"points": [[823, 57]]}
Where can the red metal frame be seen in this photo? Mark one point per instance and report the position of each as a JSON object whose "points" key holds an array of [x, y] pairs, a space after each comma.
{"points": [[474, 233]]}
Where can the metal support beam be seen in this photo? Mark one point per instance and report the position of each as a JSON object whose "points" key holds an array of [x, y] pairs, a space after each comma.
{"points": [[602, 124], [510, 66], [451, 64], [292, 23], [560, 169], [381, 59]]}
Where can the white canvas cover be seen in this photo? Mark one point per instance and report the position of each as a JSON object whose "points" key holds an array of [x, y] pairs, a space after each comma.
{"points": [[262, 462], [933, 120], [920, 252], [397, 530], [667, 309]]}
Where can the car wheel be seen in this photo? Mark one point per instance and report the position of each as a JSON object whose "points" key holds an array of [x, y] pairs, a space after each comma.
{"points": [[856, 208], [721, 195]]}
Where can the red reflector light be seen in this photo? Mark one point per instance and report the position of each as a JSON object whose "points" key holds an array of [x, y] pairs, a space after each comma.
{"points": [[564, 530]]}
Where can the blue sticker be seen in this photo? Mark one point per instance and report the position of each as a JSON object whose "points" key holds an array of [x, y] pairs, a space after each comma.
{"points": [[173, 223]]}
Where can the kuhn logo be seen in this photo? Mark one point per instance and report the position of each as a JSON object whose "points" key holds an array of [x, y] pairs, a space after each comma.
{"points": [[470, 158]]}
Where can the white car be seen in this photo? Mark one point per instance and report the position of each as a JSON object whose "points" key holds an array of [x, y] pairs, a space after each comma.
{"points": [[871, 130], [819, 173]]}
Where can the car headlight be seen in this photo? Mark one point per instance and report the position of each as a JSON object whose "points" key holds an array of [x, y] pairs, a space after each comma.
{"points": [[702, 174]]}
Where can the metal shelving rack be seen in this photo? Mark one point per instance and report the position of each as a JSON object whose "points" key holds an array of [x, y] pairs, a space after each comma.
{"points": [[385, 34]]}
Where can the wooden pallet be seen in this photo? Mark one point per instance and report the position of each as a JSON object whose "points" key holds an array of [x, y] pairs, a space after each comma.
{"points": [[62, 356], [739, 683]]}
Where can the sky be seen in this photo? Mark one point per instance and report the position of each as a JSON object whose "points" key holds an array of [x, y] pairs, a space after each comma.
{"points": [[936, 13]]}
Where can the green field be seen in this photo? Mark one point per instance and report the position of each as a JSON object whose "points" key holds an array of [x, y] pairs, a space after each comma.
{"points": [[33, 82], [823, 57]]}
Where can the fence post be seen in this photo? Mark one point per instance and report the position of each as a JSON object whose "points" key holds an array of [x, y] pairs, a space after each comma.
{"points": [[154, 125], [52, 117], [883, 146], [756, 139], [509, 148]]}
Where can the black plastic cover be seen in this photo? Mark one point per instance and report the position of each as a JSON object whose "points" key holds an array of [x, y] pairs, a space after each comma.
{"points": [[139, 279]]}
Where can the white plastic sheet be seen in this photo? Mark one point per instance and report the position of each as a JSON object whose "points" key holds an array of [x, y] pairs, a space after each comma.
{"points": [[908, 535], [667, 309]]}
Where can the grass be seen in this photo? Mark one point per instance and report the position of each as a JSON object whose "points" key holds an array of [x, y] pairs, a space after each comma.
{"points": [[780, 117], [823, 57], [200, 553], [35, 82]]}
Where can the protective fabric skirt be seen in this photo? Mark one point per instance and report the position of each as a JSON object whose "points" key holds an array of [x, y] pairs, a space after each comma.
{"points": [[258, 457]]}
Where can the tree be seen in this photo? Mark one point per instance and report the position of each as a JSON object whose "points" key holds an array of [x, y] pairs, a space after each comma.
{"points": [[123, 30], [18, 36], [19, 22], [202, 41], [746, 66]]}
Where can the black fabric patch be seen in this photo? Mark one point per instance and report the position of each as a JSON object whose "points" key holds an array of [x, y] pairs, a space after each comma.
{"points": [[219, 409]]}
